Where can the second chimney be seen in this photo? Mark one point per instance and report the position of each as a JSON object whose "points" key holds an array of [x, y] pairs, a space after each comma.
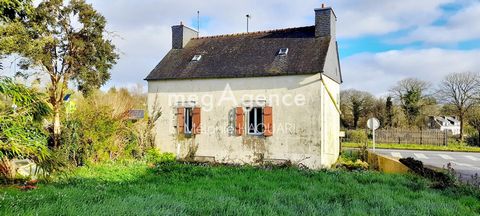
{"points": [[181, 35], [325, 22]]}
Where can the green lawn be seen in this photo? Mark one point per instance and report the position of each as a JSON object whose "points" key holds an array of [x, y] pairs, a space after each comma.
{"points": [[449, 147], [201, 190]]}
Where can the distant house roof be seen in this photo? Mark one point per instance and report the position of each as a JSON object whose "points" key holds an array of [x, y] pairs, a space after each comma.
{"points": [[446, 120], [246, 55], [136, 114]]}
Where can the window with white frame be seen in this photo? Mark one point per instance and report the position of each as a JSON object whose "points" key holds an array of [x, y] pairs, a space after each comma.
{"points": [[188, 120], [196, 58], [283, 51], [255, 120]]}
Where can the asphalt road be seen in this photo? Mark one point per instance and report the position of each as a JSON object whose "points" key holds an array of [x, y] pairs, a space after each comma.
{"points": [[465, 164]]}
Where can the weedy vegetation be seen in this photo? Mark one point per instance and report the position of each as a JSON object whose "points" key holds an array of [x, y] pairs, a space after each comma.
{"points": [[200, 189]]}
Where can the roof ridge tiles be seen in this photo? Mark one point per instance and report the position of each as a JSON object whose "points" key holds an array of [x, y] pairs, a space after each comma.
{"points": [[252, 33]]}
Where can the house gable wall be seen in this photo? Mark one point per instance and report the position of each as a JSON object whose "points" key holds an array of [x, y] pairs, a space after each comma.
{"points": [[332, 63]]}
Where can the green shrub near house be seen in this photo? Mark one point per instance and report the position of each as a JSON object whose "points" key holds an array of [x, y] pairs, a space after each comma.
{"points": [[154, 156], [356, 136], [100, 129], [352, 159], [351, 164]]}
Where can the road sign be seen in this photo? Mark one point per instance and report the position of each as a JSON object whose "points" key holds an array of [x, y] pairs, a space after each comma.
{"points": [[373, 124], [67, 97]]}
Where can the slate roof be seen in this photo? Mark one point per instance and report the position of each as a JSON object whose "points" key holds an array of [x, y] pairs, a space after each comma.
{"points": [[246, 55]]}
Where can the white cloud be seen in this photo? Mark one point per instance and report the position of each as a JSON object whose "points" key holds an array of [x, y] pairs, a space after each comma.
{"points": [[373, 17], [378, 72], [144, 26], [462, 26]]}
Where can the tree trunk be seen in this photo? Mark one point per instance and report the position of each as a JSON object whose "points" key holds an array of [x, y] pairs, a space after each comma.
{"points": [[461, 127], [57, 91], [56, 127], [355, 122]]}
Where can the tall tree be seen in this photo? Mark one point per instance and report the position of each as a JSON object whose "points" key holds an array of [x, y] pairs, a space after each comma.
{"points": [[389, 112], [379, 111], [355, 104], [411, 93], [14, 9], [65, 40], [460, 91]]}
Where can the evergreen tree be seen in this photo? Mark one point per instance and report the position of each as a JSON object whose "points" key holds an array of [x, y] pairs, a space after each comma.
{"points": [[389, 112]]}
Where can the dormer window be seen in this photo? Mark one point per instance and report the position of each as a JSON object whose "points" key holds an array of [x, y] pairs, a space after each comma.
{"points": [[283, 51], [196, 58]]}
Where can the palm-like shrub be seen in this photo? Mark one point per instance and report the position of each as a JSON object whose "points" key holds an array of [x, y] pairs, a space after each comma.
{"points": [[21, 133]]}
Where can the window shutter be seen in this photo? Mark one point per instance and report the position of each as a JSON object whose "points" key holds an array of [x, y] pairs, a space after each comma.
{"points": [[196, 120], [239, 125], [180, 120], [268, 121]]}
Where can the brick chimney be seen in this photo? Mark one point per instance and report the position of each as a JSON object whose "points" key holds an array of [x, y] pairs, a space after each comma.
{"points": [[181, 35], [325, 22]]}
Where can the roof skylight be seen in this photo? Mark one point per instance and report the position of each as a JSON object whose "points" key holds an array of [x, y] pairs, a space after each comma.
{"points": [[197, 58], [283, 51]]}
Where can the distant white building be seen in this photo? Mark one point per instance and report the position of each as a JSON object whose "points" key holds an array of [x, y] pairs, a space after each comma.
{"points": [[449, 123]]}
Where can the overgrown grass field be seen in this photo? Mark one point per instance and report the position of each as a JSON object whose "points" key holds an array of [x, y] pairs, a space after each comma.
{"points": [[174, 189]]}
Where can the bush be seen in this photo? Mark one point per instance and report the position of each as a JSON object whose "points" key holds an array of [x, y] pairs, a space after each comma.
{"points": [[345, 163], [441, 180], [351, 154], [356, 136], [153, 155], [100, 129], [91, 134], [473, 140]]}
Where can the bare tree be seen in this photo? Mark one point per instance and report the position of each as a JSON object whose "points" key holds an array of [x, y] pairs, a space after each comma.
{"points": [[411, 94], [460, 90], [355, 104]]}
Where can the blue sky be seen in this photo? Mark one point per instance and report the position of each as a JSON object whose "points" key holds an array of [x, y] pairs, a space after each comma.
{"points": [[390, 40], [380, 42]]}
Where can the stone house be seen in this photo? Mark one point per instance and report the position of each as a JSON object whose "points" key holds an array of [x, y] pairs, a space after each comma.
{"points": [[270, 96]]}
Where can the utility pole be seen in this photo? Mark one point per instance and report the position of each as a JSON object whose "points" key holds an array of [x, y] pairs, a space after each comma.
{"points": [[248, 17]]}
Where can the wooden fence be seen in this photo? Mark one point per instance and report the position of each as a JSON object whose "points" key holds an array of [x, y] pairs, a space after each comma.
{"points": [[406, 136]]}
